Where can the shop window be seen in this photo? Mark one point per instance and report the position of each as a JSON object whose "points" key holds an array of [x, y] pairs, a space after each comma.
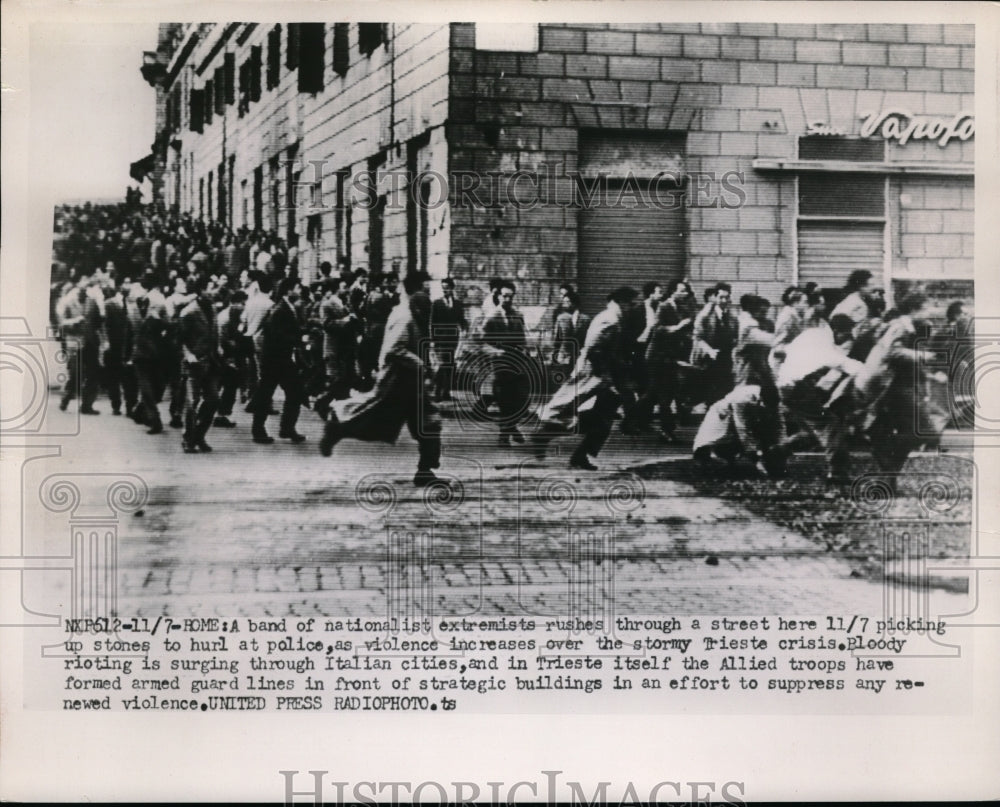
{"points": [[507, 36], [341, 48], [371, 35]]}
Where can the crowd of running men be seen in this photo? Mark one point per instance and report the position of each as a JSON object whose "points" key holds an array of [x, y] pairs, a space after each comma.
{"points": [[156, 308]]}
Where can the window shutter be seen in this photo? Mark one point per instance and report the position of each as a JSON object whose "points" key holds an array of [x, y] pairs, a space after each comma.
{"points": [[220, 91], [255, 70], [209, 100], [197, 110], [312, 46], [370, 36], [341, 48], [274, 57], [830, 250], [244, 87], [292, 51], [230, 71]]}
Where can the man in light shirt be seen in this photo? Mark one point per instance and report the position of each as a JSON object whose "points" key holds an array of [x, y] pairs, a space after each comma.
{"points": [[258, 304]]}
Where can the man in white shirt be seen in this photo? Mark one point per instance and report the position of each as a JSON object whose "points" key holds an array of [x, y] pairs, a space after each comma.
{"points": [[258, 304], [814, 378]]}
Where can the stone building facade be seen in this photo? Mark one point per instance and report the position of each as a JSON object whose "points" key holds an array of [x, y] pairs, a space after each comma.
{"points": [[759, 154]]}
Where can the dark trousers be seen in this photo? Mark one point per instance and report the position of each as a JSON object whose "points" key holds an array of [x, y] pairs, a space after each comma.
{"points": [[510, 391], [84, 374], [273, 375], [229, 378], [425, 428], [150, 391], [662, 390], [118, 381], [716, 380], [595, 425], [178, 387], [202, 401], [446, 368]]}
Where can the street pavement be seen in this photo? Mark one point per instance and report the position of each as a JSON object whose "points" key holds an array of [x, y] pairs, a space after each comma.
{"points": [[272, 531]]}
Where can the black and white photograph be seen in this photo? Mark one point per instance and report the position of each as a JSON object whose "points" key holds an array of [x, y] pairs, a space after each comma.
{"points": [[612, 383]]}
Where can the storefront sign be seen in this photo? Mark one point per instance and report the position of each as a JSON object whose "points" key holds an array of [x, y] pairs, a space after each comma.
{"points": [[902, 126], [822, 128]]}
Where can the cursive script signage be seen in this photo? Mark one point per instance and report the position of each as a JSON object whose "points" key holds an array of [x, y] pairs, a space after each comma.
{"points": [[825, 129], [903, 126]]}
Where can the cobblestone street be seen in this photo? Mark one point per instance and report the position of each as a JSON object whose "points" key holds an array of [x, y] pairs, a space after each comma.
{"points": [[279, 530]]}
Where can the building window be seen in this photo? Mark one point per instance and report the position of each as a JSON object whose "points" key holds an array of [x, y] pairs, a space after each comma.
{"points": [[376, 230], [312, 49], [229, 68], [220, 91], [274, 57], [291, 185], [208, 197], [197, 111], [342, 218], [341, 48], [255, 71], [371, 35], [515, 36], [258, 198], [292, 49], [222, 192], [274, 180], [209, 98]]}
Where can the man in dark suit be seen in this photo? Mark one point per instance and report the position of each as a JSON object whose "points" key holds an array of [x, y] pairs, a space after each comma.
{"points": [[505, 339], [198, 330], [447, 323], [665, 348], [282, 337], [570, 331], [714, 339], [116, 328], [636, 326]]}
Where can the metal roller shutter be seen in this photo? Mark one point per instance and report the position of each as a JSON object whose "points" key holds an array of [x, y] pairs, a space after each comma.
{"points": [[628, 246], [830, 250]]}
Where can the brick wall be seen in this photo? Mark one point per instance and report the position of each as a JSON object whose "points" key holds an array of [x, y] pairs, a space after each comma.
{"points": [[739, 91], [935, 228]]}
